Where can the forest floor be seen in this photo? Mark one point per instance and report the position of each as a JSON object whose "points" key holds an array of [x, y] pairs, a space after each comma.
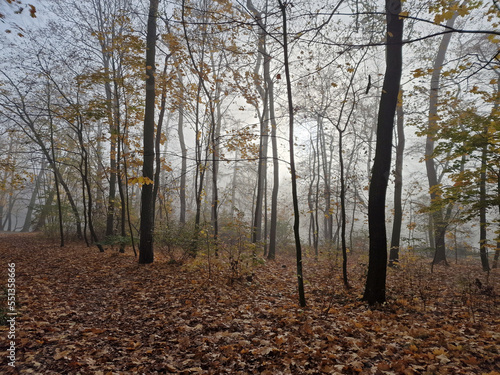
{"points": [[85, 312]]}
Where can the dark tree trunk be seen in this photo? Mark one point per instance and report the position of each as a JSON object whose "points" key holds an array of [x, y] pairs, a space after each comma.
{"points": [[497, 251], [159, 129], [343, 212], [377, 266], [119, 174], [261, 178], [10, 206], [59, 208], [296, 212], [52, 161], [276, 169], [86, 182], [182, 143], [45, 210], [264, 122], [398, 185], [146, 254], [216, 116], [483, 249], [2, 205], [311, 199], [123, 200], [199, 176], [110, 216], [327, 189], [111, 107]]}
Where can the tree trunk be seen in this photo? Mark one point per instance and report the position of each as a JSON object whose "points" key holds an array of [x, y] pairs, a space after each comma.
{"points": [[438, 221], [261, 177], [327, 193], [377, 265], [52, 161], [234, 184], [276, 169], [343, 211], [398, 185], [86, 182], [146, 254], [112, 156], [124, 206], [199, 175], [182, 143], [119, 174], [264, 123], [269, 116], [296, 212], [483, 249], [45, 210], [497, 250], [10, 206], [2, 206], [311, 198], [34, 195], [216, 117], [159, 129]]}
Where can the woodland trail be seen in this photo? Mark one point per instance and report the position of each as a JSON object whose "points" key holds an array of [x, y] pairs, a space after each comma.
{"points": [[85, 312]]}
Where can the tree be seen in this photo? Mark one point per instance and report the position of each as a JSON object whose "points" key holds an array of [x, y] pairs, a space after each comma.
{"points": [[296, 212], [377, 266], [19, 107], [398, 185], [34, 194], [146, 254], [264, 123], [268, 117], [343, 189], [468, 142], [439, 217]]}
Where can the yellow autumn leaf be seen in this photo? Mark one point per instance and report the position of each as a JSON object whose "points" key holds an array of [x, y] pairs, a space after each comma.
{"points": [[418, 73], [141, 180]]}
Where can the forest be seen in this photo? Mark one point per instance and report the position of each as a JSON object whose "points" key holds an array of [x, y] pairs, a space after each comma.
{"points": [[250, 186]]}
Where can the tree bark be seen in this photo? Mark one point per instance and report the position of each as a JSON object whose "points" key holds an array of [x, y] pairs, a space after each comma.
{"points": [[311, 199], [438, 220], [34, 195], [483, 249], [377, 265], [111, 104], [296, 212], [146, 254], [159, 129], [398, 185], [264, 123], [56, 176], [45, 210], [182, 144]]}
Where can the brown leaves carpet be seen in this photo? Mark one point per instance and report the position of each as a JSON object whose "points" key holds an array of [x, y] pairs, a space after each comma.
{"points": [[84, 312]]}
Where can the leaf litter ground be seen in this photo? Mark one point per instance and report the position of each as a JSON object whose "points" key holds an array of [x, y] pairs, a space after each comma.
{"points": [[85, 312]]}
